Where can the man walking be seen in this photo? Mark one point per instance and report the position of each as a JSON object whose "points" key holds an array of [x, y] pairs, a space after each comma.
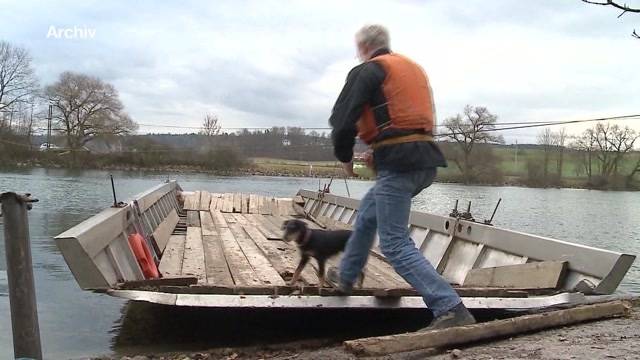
{"points": [[387, 102]]}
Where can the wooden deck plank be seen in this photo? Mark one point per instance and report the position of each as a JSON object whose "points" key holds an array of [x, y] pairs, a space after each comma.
{"points": [[274, 224], [192, 201], [268, 205], [218, 219], [255, 219], [229, 217], [227, 204], [260, 204], [239, 266], [214, 201], [280, 206], [245, 203], [253, 203], [193, 263], [205, 200], [193, 218], [186, 204], [263, 268], [241, 219], [275, 210], [385, 273], [276, 220], [207, 224], [196, 200], [215, 198], [237, 202], [171, 261], [285, 207], [288, 206], [216, 268], [373, 278], [274, 231], [282, 256]]}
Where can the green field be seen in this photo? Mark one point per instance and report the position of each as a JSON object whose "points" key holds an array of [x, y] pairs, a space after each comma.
{"points": [[513, 171], [571, 162]]}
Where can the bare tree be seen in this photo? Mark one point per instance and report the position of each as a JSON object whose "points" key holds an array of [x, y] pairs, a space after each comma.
{"points": [[545, 138], [87, 107], [613, 142], [559, 139], [210, 125], [17, 79], [467, 130], [634, 171], [585, 144], [625, 9]]}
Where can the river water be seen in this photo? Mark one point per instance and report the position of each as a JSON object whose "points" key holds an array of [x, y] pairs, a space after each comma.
{"points": [[75, 324]]}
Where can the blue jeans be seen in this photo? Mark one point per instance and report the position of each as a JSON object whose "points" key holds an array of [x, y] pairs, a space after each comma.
{"points": [[386, 206]]}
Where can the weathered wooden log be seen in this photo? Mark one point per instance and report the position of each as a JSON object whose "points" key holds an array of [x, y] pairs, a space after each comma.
{"points": [[483, 331]]}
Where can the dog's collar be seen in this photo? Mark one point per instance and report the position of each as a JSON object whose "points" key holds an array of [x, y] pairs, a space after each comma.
{"points": [[305, 237]]}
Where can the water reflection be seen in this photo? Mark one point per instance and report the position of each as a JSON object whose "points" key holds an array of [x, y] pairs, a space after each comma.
{"points": [[597, 218]]}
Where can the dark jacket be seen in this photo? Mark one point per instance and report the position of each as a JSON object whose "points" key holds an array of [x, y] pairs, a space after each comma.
{"points": [[364, 86]]}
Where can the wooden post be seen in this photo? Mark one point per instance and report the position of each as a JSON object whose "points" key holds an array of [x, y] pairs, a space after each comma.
{"points": [[22, 294]]}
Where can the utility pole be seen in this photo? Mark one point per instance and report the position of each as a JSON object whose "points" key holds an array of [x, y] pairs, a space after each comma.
{"points": [[515, 166], [22, 293], [30, 128], [11, 118], [49, 119]]}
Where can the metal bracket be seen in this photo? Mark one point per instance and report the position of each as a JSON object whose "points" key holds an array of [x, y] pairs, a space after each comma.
{"points": [[467, 214], [455, 213]]}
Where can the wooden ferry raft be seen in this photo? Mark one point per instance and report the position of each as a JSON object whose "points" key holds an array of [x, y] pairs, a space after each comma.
{"points": [[226, 250]]}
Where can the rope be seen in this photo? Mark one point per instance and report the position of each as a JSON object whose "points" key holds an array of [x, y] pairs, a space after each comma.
{"points": [[347, 186]]}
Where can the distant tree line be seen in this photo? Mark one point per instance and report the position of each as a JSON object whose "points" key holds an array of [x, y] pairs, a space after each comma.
{"points": [[292, 143]]}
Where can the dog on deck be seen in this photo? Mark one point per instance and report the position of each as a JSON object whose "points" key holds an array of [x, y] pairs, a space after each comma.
{"points": [[317, 244]]}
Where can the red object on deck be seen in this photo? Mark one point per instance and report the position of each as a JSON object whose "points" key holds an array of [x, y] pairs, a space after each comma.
{"points": [[143, 255]]}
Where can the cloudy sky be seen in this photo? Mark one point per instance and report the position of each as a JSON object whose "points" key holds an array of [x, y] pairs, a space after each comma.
{"points": [[277, 63]]}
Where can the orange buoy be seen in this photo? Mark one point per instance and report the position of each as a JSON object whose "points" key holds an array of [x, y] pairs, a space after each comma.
{"points": [[143, 255]]}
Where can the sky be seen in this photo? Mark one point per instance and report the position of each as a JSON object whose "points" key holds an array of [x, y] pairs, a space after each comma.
{"points": [[283, 63]]}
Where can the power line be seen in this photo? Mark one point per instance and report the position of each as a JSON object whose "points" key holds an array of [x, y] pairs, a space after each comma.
{"points": [[509, 125], [494, 129], [552, 123]]}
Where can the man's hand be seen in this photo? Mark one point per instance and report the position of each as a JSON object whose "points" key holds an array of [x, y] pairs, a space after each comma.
{"points": [[348, 169]]}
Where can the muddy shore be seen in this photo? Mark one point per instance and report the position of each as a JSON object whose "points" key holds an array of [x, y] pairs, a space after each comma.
{"points": [[614, 339]]}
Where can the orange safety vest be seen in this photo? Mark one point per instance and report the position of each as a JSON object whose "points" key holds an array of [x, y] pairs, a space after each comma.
{"points": [[408, 95]]}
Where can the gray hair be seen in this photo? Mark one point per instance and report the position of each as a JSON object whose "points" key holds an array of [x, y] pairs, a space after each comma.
{"points": [[373, 36]]}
